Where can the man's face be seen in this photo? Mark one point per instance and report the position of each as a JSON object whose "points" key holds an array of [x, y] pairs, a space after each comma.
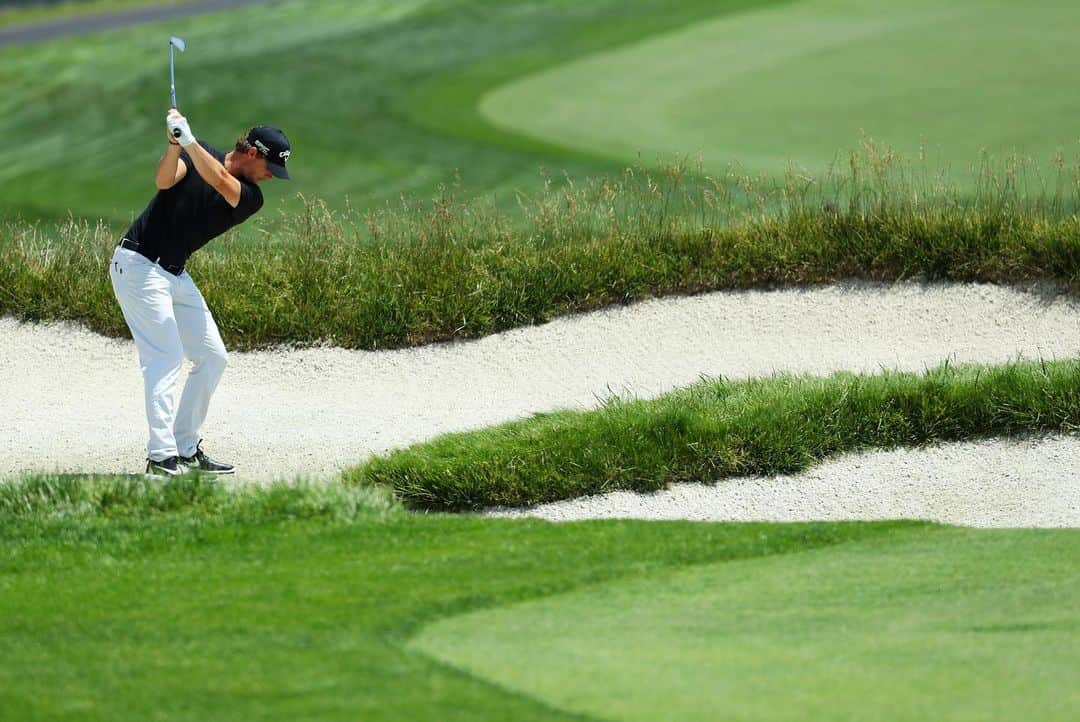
{"points": [[257, 171], [250, 165]]}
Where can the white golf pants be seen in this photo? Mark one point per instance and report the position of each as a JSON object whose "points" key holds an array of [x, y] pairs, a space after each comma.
{"points": [[169, 321]]}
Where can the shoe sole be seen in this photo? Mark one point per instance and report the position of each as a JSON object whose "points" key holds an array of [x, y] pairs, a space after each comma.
{"points": [[197, 470], [160, 473]]}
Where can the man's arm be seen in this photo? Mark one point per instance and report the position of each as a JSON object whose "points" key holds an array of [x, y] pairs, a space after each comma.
{"points": [[214, 173], [170, 170], [209, 167]]}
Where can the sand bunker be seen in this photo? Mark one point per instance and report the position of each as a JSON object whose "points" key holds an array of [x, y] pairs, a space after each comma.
{"points": [[72, 400]]}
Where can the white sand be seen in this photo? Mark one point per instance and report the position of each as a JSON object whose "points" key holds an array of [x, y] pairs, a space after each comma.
{"points": [[72, 400], [1032, 482]]}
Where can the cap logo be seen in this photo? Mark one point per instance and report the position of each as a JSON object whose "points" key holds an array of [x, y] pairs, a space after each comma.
{"points": [[262, 147], [284, 155]]}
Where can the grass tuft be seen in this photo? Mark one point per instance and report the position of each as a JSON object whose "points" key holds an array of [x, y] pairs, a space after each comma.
{"points": [[52, 497]]}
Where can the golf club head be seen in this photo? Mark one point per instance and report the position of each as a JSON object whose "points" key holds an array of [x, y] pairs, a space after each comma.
{"points": [[174, 42]]}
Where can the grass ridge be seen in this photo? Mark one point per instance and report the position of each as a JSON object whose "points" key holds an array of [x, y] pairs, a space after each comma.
{"points": [[450, 269], [721, 428]]}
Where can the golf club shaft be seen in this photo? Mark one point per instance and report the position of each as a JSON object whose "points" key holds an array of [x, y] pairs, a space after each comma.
{"points": [[172, 76]]}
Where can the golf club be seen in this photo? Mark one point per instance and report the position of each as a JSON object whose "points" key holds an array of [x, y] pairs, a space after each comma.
{"points": [[174, 42]]}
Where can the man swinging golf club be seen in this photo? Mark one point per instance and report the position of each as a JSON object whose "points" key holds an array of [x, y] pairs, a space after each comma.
{"points": [[201, 194]]}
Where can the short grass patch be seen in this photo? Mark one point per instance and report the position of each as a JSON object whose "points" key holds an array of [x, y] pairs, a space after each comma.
{"points": [[162, 603], [953, 624], [794, 83], [182, 614]]}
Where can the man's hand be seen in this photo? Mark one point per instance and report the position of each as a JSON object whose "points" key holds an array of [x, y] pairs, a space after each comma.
{"points": [[178, 128]]}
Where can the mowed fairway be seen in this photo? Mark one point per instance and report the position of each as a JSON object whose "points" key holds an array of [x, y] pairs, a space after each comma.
{"points": [[801, 82], [945, 625], [386, 98], [298, 604], [377, 97], [188, 615]]}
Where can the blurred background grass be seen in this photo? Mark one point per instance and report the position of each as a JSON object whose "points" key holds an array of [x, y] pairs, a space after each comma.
{"points": [[82, 116], [384, 98]]}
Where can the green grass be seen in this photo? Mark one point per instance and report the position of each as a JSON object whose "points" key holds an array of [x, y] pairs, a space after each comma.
{"points": [[347, 88], [944, 625], [798, 82], [719, 428], [22, 13], [123, 600], [77, 499], [184, 614], [452, 269], [387, 98]]}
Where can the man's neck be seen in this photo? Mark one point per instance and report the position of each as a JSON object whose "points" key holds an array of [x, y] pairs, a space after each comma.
{"points": [[229, 164]]}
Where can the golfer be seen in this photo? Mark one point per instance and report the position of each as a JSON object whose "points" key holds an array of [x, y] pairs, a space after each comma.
{"points": [[201, 194]]}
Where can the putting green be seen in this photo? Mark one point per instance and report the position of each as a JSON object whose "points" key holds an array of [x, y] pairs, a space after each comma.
{"points": [[942, 624], [805, 82]]}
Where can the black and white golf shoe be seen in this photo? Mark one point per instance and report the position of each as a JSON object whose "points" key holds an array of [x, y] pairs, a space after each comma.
{"points": [[203, 463], [165, 468]]}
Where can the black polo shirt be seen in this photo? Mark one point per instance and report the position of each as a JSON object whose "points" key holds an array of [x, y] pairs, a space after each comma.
{"points": [[183, 219]]}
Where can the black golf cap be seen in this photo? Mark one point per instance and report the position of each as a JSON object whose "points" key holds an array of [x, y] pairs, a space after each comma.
{"points": [[272, 145]]}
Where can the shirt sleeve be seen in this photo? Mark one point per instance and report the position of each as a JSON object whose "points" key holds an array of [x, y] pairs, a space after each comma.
{"points": [[251, 200], [187, 161]]}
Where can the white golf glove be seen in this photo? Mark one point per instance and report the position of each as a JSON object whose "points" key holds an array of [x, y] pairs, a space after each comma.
{"points": [[177, 122]]}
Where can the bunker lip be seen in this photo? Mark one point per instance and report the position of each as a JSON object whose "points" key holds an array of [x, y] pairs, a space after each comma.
{"points": [[1005, 483], [77, 402]]}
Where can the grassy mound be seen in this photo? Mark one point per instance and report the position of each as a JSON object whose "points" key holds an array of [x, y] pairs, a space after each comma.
{"points": [[717, 429], [795, 82]]}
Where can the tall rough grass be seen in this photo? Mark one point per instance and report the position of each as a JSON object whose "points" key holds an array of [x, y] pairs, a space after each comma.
{"points": [[719, 428], [447, 268]]}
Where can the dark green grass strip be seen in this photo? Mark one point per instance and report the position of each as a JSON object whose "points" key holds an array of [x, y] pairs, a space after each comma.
{"points": [[720, 428], [454, 271]]}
